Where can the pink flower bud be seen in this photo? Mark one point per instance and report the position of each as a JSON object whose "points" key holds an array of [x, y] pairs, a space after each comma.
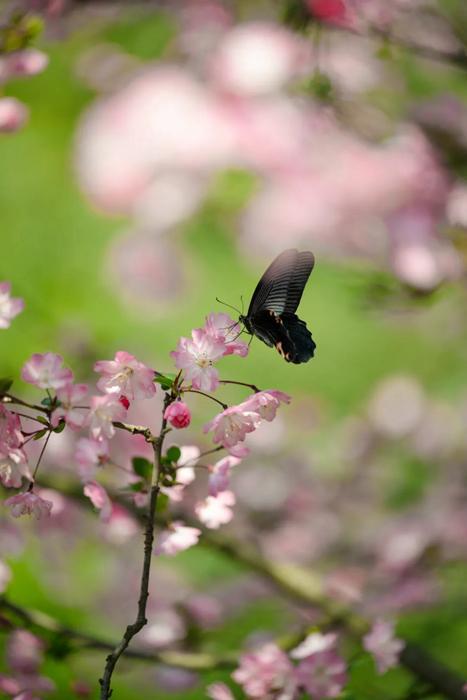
{"points": [[178, 414], [13, 114]]}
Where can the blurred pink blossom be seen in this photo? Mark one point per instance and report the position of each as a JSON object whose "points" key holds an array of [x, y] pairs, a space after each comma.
{"points": [[264, 672], [99, 499], [13, 114], [5, 575], [9, 306], [258, 58], [24, 63], [71, 396], [219, 691], [176, 539], [383, 645], [126, 375], [104, 410], [24, 652], [314, 643], [178, 414], [323, 674], [46, 371], [91, 453], [215, 511], [219, 474], [28, 504]]}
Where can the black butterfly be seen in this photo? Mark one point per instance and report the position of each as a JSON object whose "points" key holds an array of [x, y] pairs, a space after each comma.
{"points": [[271, 315]]}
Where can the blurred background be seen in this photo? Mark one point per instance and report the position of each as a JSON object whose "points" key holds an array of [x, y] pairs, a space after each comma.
{"points": [[170, 152]]}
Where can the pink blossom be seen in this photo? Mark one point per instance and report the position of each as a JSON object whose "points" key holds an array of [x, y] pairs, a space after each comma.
{"points": [[259, 58], [104, 410], [9, 307], [332, 11], [126, 375], [13, 468], [24, 652], [314, 643], [216, 510], [223, 328], [11, 436], [383, 645], [26, 62], [219, 691], [5, 575], [219, 477], [239, 450], [91, 453], [232, 425], [70, 396], [46, 371], [196, 357], [323, 674], [266, 403], [177, 538], [264, 672], [13, 114], [99, 499], [178, 414], [28, 504]]}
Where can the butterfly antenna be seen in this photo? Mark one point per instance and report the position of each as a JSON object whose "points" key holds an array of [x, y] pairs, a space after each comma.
{"points": [[229, 305], [241, 299]]}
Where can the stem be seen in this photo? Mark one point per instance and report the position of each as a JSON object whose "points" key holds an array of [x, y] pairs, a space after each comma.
{"points": [[253, 387], [44, 447], [141, 620], [8, 398], [208, 396]]}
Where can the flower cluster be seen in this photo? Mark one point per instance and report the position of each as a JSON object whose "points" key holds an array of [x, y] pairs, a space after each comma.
{"points": [[196, 356]]}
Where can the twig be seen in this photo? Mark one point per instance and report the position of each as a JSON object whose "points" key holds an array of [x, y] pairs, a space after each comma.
{"points": [[141, 620], [208, 396], [44, 447], [250, 386], [8, 398]]}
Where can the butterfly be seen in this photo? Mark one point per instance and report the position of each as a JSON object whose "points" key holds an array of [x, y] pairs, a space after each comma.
{"points": [[271, 315]]}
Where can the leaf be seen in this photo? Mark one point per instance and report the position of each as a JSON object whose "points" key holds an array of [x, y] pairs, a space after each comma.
{"points": [[142, 467], [138, 486], [165, 380], [5, 384], [48, 402], [42, 420], [40, 434], [60, 427], [173, 454]]}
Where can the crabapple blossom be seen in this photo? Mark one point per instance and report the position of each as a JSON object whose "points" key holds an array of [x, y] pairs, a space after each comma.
{"points": [[24, 652], [126, 375], [99, 499], [232, 425], [266, 671], [28, 503], [322, 674], [13, 114], [13, 467], [11, 436], [222, 327], [91, 453], [219, 477], [70, 396], [177, 538], [24, 63], [383, 645], [196, 357], [219, 691], [46, 371], [178, 414], [104, 410], [266, 403], [314, 643], [216, 510], [9, 306]]}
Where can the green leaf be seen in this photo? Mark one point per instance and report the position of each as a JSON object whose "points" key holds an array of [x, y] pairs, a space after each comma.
{"points": [[138, 486], [173, 454], [48, 402], [42, 420], [165, 380], [60, 427], [5, 384], [40, 434], [142, 467]]}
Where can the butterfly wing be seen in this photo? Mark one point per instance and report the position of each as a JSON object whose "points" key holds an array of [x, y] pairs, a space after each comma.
{"points": [[281, 287], [286, 332]]}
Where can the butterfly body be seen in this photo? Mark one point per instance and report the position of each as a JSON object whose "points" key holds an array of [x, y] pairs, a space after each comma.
{"points": [[271, 315]]}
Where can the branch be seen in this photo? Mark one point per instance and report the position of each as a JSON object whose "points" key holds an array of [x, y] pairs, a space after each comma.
{"points": [[455, 58], [141, 620]]}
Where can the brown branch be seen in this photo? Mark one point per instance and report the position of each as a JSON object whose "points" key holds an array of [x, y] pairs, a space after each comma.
{"points": [[253, 387], [141, 620], [8, 398], [208, 396]]}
